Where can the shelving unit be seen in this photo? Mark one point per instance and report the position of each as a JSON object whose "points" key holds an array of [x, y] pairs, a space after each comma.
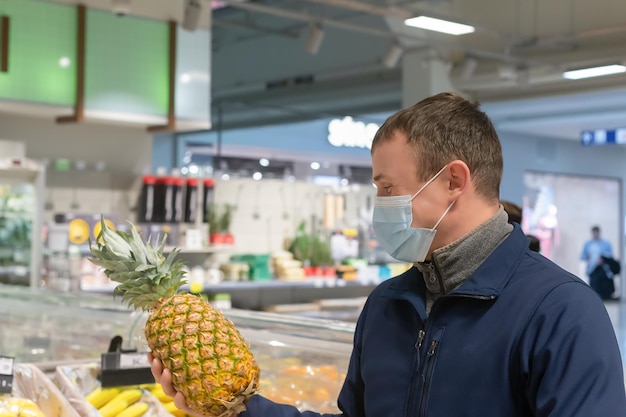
{"points": [[26, 171], [203, 250], [258, 295]]}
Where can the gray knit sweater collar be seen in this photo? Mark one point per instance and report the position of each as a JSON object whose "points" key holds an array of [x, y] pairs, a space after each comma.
{"points": [[454, 263]]}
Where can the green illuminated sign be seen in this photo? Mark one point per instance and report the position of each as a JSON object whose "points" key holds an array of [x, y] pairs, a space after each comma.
{"points": [[42, 45], [62, 164], [126, 64], [126, 58]]}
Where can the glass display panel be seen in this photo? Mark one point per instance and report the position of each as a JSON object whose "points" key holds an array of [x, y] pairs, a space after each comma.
{"points": [[560, 211]]}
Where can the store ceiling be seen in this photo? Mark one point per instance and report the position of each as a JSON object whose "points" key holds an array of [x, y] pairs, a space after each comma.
{"points": [[263, 74]]}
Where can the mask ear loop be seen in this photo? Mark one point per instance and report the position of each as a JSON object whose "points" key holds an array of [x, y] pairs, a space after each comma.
{"points": [[444, 214], [429, 181]]}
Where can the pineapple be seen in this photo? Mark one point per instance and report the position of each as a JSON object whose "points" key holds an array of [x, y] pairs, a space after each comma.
{"points": [[210, 361]]}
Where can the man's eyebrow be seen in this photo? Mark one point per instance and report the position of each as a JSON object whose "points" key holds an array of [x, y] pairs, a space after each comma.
{"points": [[378, 177]]}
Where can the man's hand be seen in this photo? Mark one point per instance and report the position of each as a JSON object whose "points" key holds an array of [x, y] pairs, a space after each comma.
{"points": [[164, 377]]}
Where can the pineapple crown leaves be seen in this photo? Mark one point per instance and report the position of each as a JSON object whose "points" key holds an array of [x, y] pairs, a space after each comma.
{"points": [[144, 273]]}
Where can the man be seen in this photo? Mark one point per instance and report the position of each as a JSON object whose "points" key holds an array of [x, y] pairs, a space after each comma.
{"points": [[595, 250], [481, 326]]}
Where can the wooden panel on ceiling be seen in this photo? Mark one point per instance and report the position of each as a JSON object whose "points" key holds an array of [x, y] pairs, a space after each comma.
{"points": [[4, 43], [81, 32]]}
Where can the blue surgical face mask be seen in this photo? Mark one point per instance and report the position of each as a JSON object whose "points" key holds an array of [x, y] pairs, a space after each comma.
{"points": [[392, 224]]}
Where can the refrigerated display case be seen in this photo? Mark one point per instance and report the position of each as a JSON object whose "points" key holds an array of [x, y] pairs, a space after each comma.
{"points": [[40, 327], [21, 212], [303, 360]]}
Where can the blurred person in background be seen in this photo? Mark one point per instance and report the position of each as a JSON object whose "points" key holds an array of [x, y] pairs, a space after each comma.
{"points": [[598, 254], [515, 214]]}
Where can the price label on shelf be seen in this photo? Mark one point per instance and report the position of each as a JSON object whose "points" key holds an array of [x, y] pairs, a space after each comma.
{"points": [[6, 374], [6, 365], [134, 360]]}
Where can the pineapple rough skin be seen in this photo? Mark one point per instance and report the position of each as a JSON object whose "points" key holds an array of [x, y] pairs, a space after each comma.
{"points": [[210, 362]]}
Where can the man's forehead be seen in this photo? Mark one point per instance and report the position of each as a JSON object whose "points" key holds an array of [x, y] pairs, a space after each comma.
{"points": [[395, 173]]}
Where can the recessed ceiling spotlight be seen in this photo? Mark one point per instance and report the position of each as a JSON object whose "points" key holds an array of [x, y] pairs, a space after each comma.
{"points": [[393, 55], [120, 7], [191, 15], [314, 38]]}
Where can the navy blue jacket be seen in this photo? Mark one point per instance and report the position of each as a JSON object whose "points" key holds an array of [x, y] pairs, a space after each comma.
{"points": [[519, 337]]}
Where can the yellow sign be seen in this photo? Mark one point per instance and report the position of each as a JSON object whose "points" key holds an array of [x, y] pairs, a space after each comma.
{"points": [[98, 227], [78, 231]]}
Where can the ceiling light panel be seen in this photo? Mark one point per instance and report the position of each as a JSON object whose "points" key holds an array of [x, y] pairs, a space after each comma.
{"points": [[594, 72], [439, 25]]}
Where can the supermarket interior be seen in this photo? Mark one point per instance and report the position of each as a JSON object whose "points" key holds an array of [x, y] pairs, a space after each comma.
{"points": [[237, 135]]}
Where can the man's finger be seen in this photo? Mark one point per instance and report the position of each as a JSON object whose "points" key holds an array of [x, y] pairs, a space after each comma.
{"points": [[156, 367], [166, 383], [181, 403]]}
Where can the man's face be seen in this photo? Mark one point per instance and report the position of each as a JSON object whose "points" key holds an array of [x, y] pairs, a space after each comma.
{"points": [[596, 234], [395, 173]]}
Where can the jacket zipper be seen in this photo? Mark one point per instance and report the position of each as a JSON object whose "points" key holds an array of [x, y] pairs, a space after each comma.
{"points": [[416, 379], [427, 371], [418, 347], [438, 275], [420, 339], [424, 373]]}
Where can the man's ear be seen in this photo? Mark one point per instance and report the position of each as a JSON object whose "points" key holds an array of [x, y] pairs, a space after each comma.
{"points": [[459, 178]]}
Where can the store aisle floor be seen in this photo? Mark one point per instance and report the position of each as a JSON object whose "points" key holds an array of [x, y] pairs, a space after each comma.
{"points": [[617, 312]]}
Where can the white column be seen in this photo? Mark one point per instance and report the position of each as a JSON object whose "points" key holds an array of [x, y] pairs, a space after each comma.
{"points": [[423, 76]]}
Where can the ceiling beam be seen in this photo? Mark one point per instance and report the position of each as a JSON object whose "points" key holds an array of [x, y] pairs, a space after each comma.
{"points": [[409, 35], [309, 18], [358, 6], [256, 28]]}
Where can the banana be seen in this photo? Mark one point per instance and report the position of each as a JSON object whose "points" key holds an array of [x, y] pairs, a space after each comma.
{"points": [[5, 412], [20, 407], [101, 396], [130, 395], [30, 412], [113, 407], [135, 410], [172, 409], [157, 391], [120, 402], [21, 403]]}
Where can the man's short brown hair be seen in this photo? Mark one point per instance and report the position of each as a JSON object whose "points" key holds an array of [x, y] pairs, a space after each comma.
{"points": [[446, 127]]}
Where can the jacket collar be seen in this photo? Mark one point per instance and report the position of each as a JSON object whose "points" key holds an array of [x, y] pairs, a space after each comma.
{"points": [[486, 282]]}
